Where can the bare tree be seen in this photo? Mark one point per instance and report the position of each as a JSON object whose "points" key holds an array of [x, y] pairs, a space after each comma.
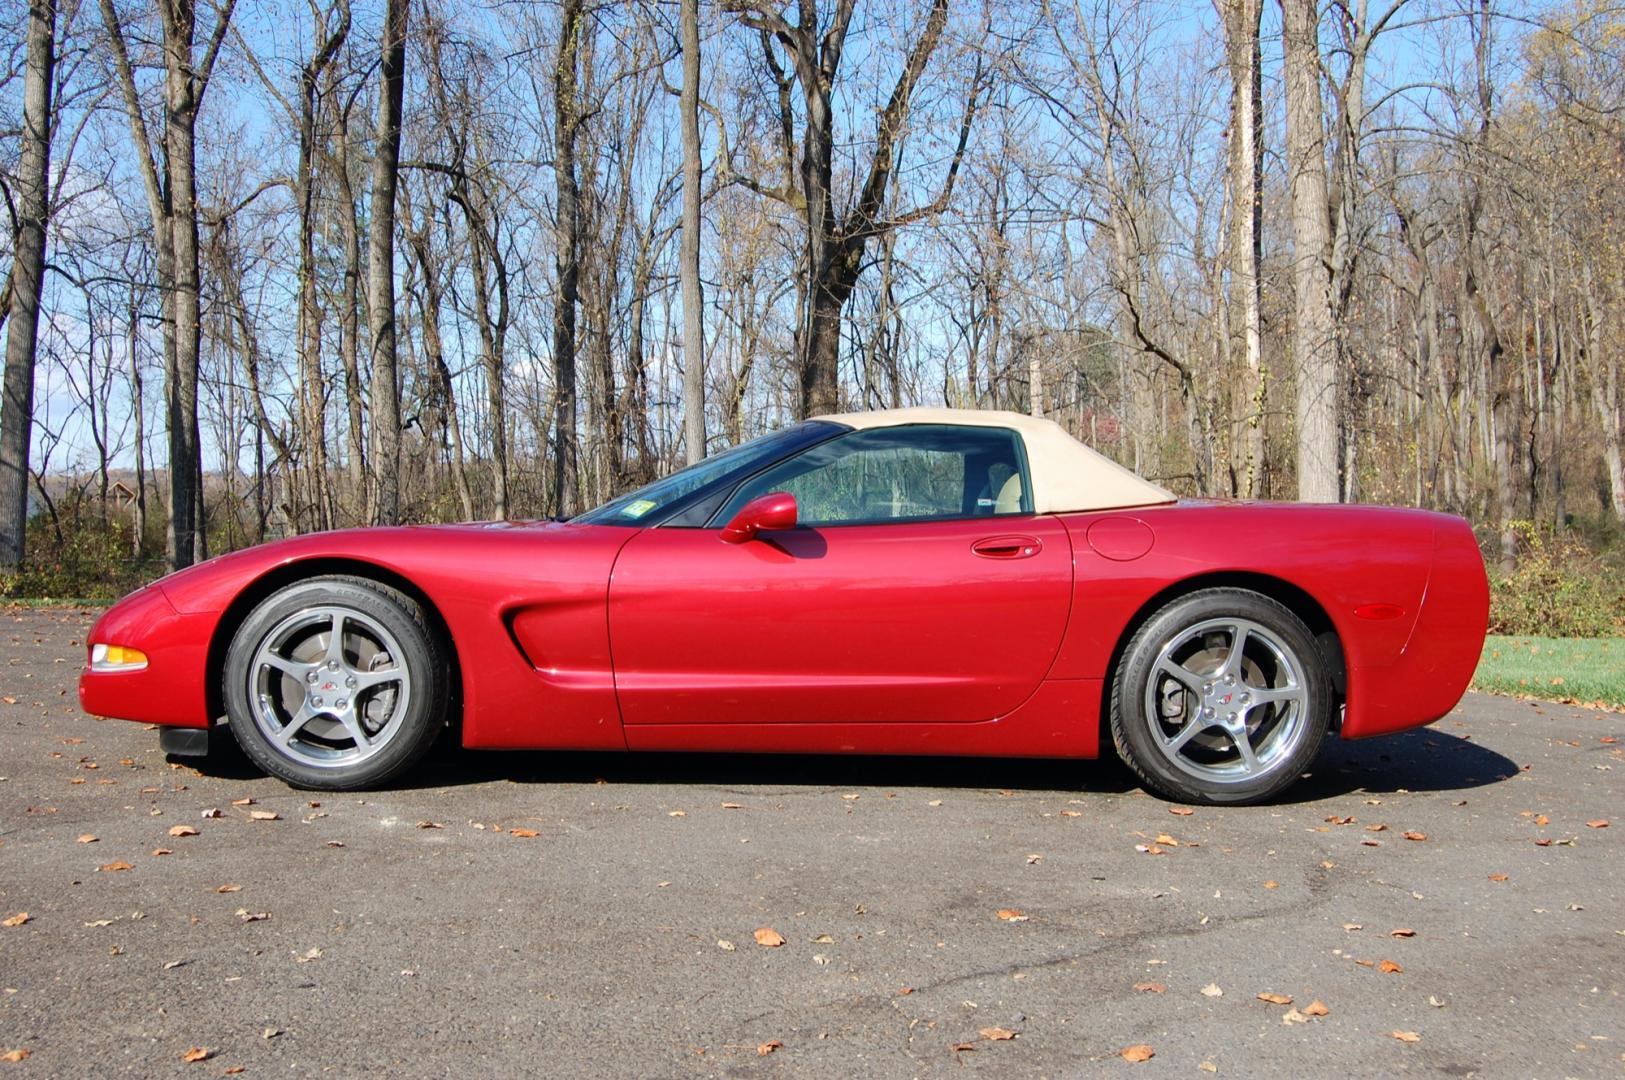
{"points": [[835, 241], [32, 201], [689, 268], [172, 202], [386, 401], [1315, 354]]}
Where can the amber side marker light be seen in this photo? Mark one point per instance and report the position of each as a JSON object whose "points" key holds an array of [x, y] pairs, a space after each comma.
{"points": [[116, 658]]}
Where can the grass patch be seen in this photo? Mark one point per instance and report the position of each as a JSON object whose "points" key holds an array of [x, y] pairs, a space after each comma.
{"points": [[1587, 670]]}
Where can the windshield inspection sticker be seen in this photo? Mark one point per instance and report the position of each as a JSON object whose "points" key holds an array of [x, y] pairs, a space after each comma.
{"points": [[639, 508]]}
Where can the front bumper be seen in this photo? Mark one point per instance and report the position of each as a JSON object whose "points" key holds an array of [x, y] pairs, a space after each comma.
{"points": [[172, 689]]}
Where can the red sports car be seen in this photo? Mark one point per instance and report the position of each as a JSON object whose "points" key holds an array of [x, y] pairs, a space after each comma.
{"points": [[918, 581]]}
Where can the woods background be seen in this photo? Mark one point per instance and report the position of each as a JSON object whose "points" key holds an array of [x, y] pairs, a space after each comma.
{"points": [[284, 266]]}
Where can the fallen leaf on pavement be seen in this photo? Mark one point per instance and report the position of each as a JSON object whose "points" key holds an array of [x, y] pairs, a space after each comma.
{"points": [[768, 1047], [524, 833], [735, 806], [1010, 914], [1388, 967], [1164, 838], [247, 801], [1336, 820], [726, 946], [252, 916], [197, 1053], [421, 824], [114, 867], [89, 838], [263, 815], [1405, 1036], [677, 813], [1272, 884], [16, 1055], [1212, 990], [182, 830], [229, 888], [1137, 1052], [1293, 1016], [158, 851], [1353, 926], [1402, 931], [1316, 1008], [1275, 999], [17, 919], [1376, 828], [1181, 811], [997, 1034], [1412, 835], [961, 1047], [1151, 988], [1498, 877], [1600, 823], [768, 938]]}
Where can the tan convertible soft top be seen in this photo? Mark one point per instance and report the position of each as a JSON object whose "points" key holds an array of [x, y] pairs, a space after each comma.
{"points": [[1067, 476]]}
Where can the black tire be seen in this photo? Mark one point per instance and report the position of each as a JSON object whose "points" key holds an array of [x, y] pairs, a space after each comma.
{"points": [[1279, 659], [404, 684]]}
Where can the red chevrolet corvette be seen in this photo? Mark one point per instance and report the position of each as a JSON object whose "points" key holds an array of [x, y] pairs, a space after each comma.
{"points": [[919, 581]]}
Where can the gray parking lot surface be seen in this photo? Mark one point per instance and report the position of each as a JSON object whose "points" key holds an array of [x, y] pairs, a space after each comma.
{"points": [[1443, 902]]}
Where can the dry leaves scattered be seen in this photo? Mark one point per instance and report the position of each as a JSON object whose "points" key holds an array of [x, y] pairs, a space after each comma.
{"points": [[768, 1047], [1599, 823], [1388, 967], [1150, 988], [768, 938], [197, 1053], [1405, 1036], [14, 1056], [998, 1034], [1413, 835], [1316, 1008], [1181, 811], [1010, 914], [263, 815], [17, 919], [182, 830], [115, 867], [1212, 990], [1402, 931], [1274, 999], [89, 838], [1137, 1052], [526, 834]]}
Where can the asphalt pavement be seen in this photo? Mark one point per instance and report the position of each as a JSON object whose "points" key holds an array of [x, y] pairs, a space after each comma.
{"points": [[1443, 902]]}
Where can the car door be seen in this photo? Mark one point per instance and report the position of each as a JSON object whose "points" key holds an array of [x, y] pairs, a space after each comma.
{"points": [[918, 587]]}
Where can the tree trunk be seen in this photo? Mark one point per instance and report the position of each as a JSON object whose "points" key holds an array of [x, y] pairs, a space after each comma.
{"points": [[689, 269], [32, 206], [386, 399], [567, 260], [1314, 335], [1241, 19]]}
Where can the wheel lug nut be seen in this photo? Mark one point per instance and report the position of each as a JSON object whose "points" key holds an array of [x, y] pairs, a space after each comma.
{"points": [[1245, 698], [350, 682], [316, 702], [310, 677], [332, 665], [340, 703], [1207, 688]]}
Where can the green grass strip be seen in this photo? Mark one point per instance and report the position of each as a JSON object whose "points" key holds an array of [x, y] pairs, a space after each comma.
{"points": [[1589, 670]]}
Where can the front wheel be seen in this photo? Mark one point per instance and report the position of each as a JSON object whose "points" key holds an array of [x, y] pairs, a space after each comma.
{"points": [[1222, 696], [336, 683]]}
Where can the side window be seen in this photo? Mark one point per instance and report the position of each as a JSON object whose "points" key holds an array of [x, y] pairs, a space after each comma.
{"points": [[921, 472]]}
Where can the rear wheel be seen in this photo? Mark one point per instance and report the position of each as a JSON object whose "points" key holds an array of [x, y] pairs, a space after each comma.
{"points": [[1221, 697], [336, 683]]}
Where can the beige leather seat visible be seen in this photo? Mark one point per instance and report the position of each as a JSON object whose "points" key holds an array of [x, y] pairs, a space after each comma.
{"points": [[1009, 500]]}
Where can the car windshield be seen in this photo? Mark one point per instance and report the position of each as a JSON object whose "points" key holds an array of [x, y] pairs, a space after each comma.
{"points": [[652, 501]]}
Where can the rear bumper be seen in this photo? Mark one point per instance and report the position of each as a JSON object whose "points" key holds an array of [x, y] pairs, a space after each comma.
{"points": [[1437, 662], [171, 689]]}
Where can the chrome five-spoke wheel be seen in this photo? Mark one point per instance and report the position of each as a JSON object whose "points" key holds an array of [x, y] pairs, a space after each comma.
{"points": [[1227, 700], [1222, 696], [336, 683], [330, 686]]}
